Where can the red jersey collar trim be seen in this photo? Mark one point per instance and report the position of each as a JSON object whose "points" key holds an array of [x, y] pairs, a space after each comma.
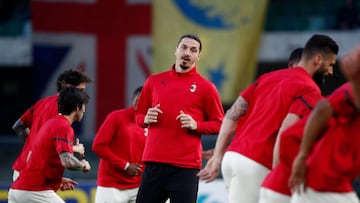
{"points": [[191, 72]]}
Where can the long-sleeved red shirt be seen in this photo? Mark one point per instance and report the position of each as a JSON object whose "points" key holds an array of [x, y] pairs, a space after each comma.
{"points": [[43, 169], [191, 93], [118, 141], [35, 117]]}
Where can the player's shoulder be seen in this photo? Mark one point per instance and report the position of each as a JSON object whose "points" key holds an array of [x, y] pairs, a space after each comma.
{"points": [[48, 99], [344, 87], [288, 72], [60, 119], [199, 78], [292, 75], [117, 113], [273, 77], [344, 90], [55, 122], [160, 74]]}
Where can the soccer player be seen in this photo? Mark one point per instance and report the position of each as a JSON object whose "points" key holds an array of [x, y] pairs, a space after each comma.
{"points": [[177, 106], [293, 61], [324, 172], [41, 111], [275, 187], [120, 144], [268, 106], [51, 152]]}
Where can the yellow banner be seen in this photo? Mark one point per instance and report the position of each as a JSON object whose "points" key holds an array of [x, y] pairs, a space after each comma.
{"points": [[230, 32]]}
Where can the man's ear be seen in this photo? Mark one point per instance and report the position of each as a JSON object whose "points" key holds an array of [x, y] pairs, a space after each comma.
{"points": [[317, 59]]}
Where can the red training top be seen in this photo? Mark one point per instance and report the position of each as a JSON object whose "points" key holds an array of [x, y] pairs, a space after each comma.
{"points": [[35, 116], [277, 179], [44, 170], [118, 141], [335, 160], [167, 142], [270, 99]]}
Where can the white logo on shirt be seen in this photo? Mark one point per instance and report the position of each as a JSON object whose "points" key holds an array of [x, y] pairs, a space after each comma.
{"points": [[193, 87]]}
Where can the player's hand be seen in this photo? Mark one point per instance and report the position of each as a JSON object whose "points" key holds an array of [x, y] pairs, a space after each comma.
{"points": [[87, 166], [186, 121], [210, 171], [79, 148], [67, 184], [152, 114], [297, 180], [134, 169]]}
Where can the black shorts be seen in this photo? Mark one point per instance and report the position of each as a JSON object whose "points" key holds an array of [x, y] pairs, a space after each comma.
{"points": [[162, 181]]}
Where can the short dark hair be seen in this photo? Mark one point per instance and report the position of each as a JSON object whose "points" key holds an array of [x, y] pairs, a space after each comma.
{"points": [[71, 77], [320, 44], [71, 98], [191, 36], [295, 56]]}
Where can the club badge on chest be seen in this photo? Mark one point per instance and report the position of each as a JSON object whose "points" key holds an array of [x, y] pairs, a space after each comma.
{"points": [[193, 87]]}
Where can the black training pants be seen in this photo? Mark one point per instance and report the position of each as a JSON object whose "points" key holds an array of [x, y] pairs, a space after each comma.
{"points": [[162, 181]]}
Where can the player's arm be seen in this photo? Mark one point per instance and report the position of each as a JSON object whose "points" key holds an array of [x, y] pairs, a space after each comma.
{"points": [[314, 128], [104, 137], [289, 120], [212, 168], [70, 162], [228, 125], [21, 129], [207, 154], [213, 111]]}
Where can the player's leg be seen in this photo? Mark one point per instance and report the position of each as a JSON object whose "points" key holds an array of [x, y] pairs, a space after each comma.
{"points": [[48, 196], [270, 196], [227, 170], [184, 185], [22, 196], [103, 194], [12, 196], [243, 177], [114, 195], [152, 184], [131, 194], [324, 197]]}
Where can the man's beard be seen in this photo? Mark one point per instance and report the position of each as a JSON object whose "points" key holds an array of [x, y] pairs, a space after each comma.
{"points": [[184, 67], [319, 78]]}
